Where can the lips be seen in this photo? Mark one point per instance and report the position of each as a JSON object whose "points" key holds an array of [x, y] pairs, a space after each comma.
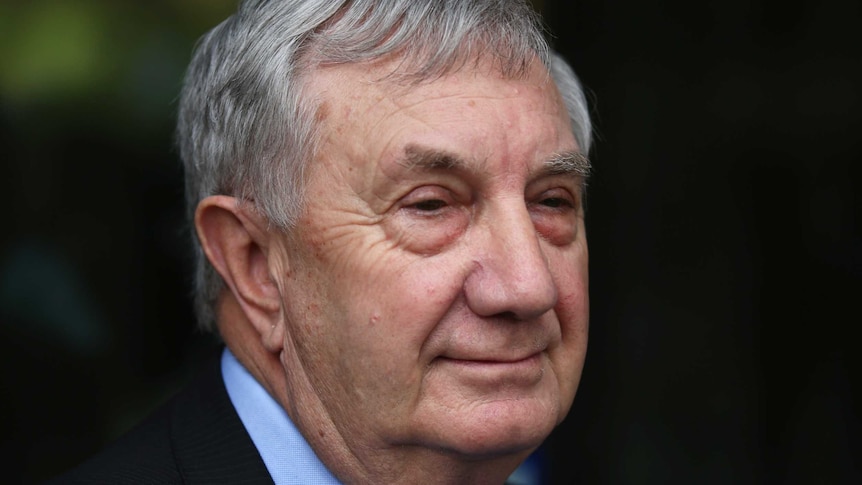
{"points": [[491, 361], [485, 375]]}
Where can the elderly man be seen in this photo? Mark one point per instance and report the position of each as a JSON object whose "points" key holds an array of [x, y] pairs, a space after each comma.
{"points": [[388, 199]]}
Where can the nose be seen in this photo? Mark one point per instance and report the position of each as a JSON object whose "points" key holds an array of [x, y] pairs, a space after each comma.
{"points": [[510, 276]]}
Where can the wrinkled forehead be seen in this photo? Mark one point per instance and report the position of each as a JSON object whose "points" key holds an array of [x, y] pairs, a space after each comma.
{"points": [[393, 79], [476, 112]]}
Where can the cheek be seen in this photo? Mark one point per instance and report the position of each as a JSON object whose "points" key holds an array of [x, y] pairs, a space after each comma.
{"points": [[382, 303], [572, 310], [407, 297], [386, 330], [573, 306]]}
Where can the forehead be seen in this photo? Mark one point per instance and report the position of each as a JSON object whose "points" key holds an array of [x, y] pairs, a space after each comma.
{"points": [[379, 81], [475, 112]]}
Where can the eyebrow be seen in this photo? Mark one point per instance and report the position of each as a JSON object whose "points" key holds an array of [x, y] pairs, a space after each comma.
{"points": [[421, 158], [569, 163]]}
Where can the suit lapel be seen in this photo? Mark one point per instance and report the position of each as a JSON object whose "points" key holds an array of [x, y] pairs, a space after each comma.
{"points": [[209, 441]]}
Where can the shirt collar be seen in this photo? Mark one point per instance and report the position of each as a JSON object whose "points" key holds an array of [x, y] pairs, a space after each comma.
{"points": [[287, 456]]}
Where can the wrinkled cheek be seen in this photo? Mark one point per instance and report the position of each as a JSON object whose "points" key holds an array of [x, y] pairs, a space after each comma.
{"points": [[573, 313], [380, 384], [394, 320], [568, 362], [572, 277]]}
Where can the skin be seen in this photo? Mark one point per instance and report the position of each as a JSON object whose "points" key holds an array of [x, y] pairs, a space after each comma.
{"points": [[426, 320]]}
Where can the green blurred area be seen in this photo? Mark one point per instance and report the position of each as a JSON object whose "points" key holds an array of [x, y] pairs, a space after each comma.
{"points": [[94, 311], [60, 49]]}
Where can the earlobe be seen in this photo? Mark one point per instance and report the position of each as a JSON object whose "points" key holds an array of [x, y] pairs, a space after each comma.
{"points": [[237, 243]]}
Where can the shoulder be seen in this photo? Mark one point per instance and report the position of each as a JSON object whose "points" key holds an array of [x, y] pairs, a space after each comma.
{"points": [[142, 455], [196, 437]]}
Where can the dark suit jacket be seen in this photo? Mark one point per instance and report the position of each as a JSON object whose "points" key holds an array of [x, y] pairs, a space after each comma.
{"points": [[195, 438]]}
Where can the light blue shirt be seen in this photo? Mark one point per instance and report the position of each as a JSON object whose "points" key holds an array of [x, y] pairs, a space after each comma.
{"points": [[285, 453]]}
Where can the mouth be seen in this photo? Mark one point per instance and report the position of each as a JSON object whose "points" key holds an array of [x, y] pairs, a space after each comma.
{"points": [[491, 362], [481, 372]]}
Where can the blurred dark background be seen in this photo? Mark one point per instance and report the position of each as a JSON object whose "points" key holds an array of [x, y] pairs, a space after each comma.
{"points": [[723, 223]]}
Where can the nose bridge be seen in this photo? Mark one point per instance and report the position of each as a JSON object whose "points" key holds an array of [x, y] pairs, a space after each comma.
{"points": [[513, 275]]}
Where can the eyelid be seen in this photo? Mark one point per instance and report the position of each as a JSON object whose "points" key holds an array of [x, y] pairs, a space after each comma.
{"points": [[427, 194], [564, 193]]}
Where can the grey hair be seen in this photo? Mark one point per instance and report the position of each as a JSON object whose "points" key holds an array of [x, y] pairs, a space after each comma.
{"points": [[246, 129]]}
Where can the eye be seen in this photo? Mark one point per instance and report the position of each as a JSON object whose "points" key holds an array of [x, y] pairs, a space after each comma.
{"points": [[555, 213], [429, 200], [557, 202], [429, 218], [428, 205]]}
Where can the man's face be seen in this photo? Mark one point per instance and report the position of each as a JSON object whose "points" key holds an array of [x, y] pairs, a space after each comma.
{"points": [[435, 288]]}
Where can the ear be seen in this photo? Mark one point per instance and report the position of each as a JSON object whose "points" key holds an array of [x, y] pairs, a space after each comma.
{"points": [[240, 246]]}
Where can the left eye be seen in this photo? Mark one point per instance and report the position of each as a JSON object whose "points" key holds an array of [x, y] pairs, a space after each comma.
{"points": [[556, 202]]}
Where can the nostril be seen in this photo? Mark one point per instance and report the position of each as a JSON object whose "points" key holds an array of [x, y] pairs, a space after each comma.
{"points": [[507, 316]]}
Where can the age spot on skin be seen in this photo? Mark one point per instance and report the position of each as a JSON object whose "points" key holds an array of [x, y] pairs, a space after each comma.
{"points": [[314, 309]]}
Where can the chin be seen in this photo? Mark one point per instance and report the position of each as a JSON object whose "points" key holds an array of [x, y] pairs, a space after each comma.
{"points": [[498, 428]]}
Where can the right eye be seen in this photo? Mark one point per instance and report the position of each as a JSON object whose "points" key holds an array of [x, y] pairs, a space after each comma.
{"points": [[429, 218], [430, 205], [428, 200]]}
